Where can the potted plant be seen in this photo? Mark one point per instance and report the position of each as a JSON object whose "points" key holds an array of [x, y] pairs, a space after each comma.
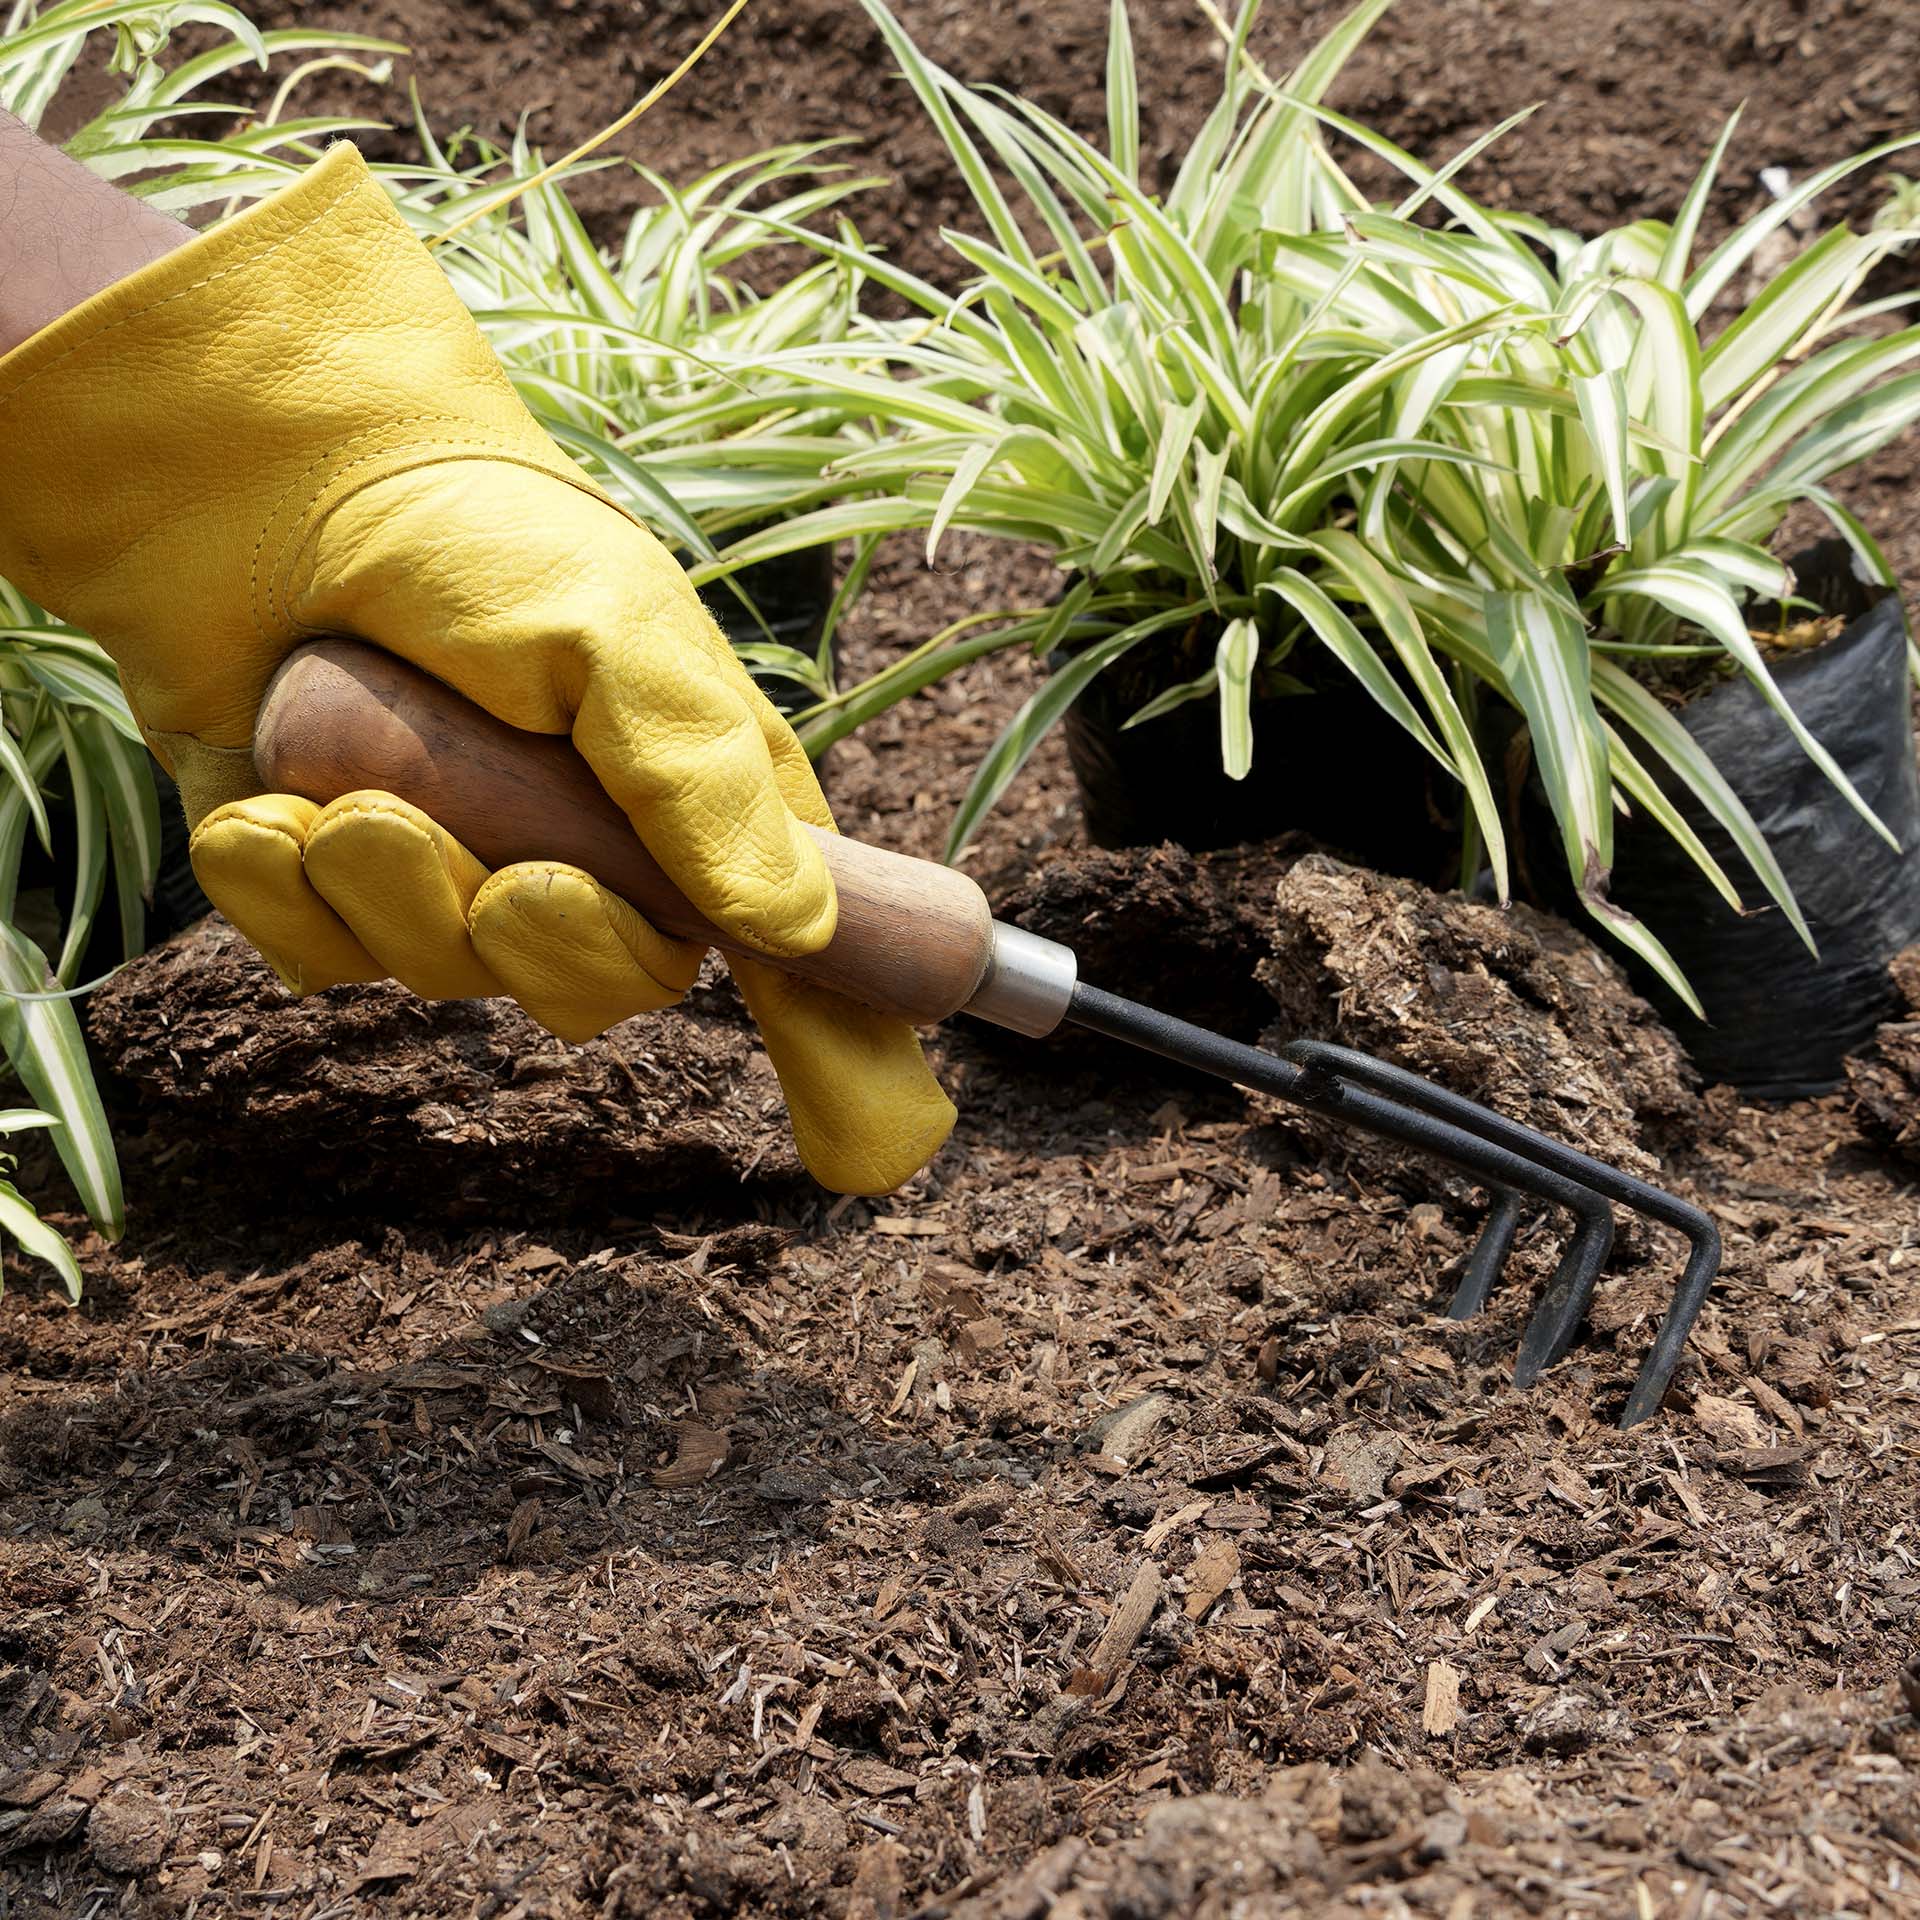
{"points": [[1688, 701], [1472, 468], [1115, 397], [643, 360]]}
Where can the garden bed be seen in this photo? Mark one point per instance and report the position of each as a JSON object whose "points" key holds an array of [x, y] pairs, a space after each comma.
{"points": [[1107, 1521], [439, 1548]]}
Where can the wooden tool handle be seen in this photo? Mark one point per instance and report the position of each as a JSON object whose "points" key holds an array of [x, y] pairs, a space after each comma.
{"points": [[914, 938]]}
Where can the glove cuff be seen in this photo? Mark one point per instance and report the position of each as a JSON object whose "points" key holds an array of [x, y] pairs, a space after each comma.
{"points": [[251, 237]]}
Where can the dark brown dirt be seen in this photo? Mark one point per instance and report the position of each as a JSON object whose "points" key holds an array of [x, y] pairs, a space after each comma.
{"points": [[1885, 1078], [1629, 92], [1507, 1006], [596, 1521], [1160, 925]]}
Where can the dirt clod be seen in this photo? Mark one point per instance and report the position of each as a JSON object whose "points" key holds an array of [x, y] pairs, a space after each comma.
{"points": [[1505, 1005], [1885, 1076], [1158, 925], [127, 1832], [370, 1092]]}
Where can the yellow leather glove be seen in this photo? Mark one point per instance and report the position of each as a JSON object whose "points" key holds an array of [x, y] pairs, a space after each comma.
{"points": [[291, 426]]}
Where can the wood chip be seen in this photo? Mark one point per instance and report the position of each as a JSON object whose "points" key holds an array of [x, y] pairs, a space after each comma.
{"points": [[1137, 1607], [1157, 1535], [533, 1260], [521, 1525], [1215, 1568], [1773, 1466], [1125, 1433], [702, 1453], [904, 1388], [1729, 1422], [1441, 1714], [866, 1775]]}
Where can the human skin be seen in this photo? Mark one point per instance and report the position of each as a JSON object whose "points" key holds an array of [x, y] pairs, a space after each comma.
{"points": [[64, 235]]}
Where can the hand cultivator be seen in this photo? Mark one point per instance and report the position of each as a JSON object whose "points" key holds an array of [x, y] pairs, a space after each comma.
{"points": [[919, 940]]}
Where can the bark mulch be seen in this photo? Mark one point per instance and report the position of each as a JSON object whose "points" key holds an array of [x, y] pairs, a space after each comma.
{"points": [[487, 1481], [1105, 1526]]}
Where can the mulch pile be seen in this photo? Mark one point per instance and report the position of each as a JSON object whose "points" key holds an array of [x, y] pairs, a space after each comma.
{"points": [[1885, 1077], [368, 1092]]}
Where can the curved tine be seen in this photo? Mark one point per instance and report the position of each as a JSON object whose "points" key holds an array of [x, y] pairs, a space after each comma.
{"points": [[1569, 1162], [1703, 1237], [1564, 1303], [1656, 1371], [1488, 1257]]}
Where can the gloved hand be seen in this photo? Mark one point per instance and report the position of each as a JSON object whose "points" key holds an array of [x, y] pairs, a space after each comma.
{"points": [[291, 426]]}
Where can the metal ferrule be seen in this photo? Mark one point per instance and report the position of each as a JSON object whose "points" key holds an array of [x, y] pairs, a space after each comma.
{"points": [[1029, 982]]}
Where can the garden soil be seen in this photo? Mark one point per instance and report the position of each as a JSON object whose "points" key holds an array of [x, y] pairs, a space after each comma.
{"points": [[488, 1481]]}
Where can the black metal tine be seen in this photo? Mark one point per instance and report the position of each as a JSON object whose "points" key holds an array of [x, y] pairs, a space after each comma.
{"points": [[1349, 1086], [1550, 1334], [1489, 1256], [1563, 1305], [1656, 1373], [1415, 1124], [1564, 1301]]}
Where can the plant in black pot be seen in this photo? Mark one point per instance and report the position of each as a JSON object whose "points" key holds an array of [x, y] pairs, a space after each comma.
{"points": [[1695, 728], [1404, 487], [1153, 391]]}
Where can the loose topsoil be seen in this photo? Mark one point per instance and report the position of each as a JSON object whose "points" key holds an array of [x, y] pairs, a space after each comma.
{"points": [[488, 1481]]}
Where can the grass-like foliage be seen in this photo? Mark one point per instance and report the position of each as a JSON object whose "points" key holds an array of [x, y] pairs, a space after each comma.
{"points": [[65, 732], [645, 360], [1463, 455]]}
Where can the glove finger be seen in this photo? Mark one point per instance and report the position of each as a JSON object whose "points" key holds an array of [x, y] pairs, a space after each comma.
{"points": [[403, 884], [575, 956], [792, 771], [248, 858], [867, 1112]]}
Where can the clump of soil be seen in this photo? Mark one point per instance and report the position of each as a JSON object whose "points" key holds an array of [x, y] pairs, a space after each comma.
{"points": [[373, 1093], [1159, 925], [1505, 1005], [1885, 1077]]}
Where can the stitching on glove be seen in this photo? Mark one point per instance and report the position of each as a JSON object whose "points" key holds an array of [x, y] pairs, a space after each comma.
{"points": [[248, 259], [387, 807], [269, 827], [275, 607]]}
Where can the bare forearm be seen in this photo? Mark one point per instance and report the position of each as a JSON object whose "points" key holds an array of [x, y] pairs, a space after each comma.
{"points": [[64, 235]]}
